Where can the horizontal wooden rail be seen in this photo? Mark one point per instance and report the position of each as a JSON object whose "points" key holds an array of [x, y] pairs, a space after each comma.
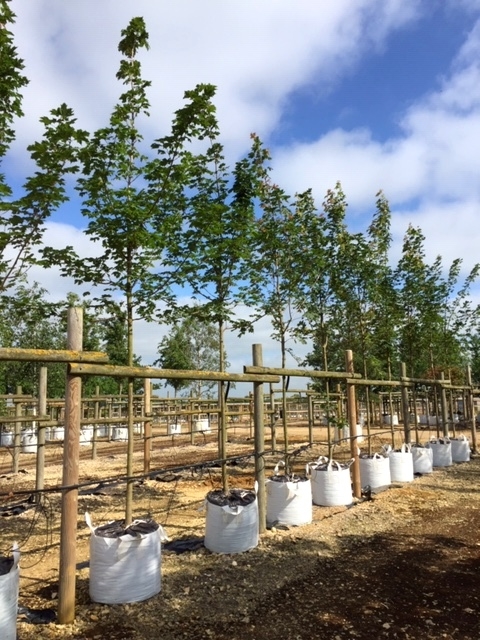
{"points": [[166, 374], [52, 355], [380, 383], [303, 373], [427, 381]]}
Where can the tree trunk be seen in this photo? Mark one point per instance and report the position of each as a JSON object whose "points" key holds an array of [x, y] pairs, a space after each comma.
{"points": [[222, 418], [129, 496]]}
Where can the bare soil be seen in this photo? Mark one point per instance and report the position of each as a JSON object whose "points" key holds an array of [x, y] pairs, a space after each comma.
{"points": [[404, 564]]}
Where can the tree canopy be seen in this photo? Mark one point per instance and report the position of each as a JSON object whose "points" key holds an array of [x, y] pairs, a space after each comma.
{"points": [[185, 234]]}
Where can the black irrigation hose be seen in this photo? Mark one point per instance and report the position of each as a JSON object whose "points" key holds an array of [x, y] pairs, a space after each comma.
{"points": [[198, 466]]}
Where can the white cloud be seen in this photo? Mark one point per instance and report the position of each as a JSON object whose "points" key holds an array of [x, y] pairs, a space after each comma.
{"points": [[449, 229], [433, 162], [256, 53]]}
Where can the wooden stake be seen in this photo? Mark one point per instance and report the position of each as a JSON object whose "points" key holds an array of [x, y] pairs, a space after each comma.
{"points": [[130, 451], [17, 442], [222, 434], [352, 416], [259, 430], [444, 406], [71, 456], [42, 410], [405, 407], [471, 411], [147, 427], [96, 410]]}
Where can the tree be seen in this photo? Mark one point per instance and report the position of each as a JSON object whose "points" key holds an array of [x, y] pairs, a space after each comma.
{"points": [[420, 298], [460, 318], [272, 291], [132, 201], [214, 245], [104, 329], [385, 311], [24, 214], [192, 345], [29, 321], [317, 289]]}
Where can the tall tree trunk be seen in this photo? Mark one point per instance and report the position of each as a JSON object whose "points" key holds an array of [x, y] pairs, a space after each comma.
{"points": [[284, 401], [129, 496], [222, 418]]}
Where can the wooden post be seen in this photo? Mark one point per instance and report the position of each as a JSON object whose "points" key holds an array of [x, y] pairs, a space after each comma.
{"points": [[352, 416], [273, 420], [96, 415], [405, 407], [451, 411], [17, 441], [391, 410], [222, 434], [110, 415], [310, 419], [415, 414], [130, 452], [329, 424], [42, 410], [192, 406], [259, 430], [444, 406], [371, 419], [338, 435], [147, 428], [71, 456], [471, 411]]}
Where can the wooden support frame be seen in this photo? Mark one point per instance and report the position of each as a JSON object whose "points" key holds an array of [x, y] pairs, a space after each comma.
{"points": [[300, 373], [52, 355], [167, 374]]}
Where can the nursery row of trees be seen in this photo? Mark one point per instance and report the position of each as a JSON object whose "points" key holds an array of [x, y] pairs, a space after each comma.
{"points": [[176, 223]]}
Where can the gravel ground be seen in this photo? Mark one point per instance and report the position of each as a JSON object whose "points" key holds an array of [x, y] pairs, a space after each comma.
{"points": [[403, 564]]}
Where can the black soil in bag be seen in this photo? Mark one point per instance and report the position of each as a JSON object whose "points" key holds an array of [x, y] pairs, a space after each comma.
{"points": [[233, 498], [117, 528], [5, 565], [288, 478]]}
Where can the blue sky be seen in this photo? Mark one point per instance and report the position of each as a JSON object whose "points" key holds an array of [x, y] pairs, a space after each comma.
{"points": [[383, 84], [378, 94]]}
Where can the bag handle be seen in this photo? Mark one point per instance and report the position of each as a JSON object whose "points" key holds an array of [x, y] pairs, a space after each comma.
{"points": [[232, 510], [277, 467], [16, 555], [331, 463]]}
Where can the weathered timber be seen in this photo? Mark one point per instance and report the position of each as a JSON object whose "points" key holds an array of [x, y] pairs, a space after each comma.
{"points": [[405, 405], [151, 372], [428, 381], [352, 416], [460, 387], [302, 373], [71, 457], [380, 383], [471, 411], [259, 430], [51, 355], [147, 443], [42, 409]]}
